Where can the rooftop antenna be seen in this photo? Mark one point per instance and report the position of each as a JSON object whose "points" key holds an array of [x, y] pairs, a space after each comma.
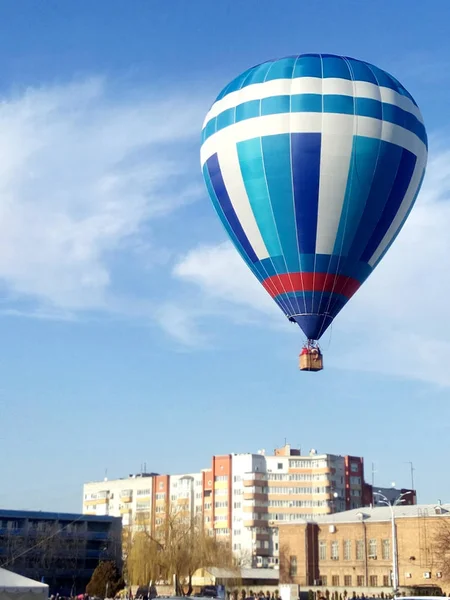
{"points": [[411, 466], [145, 467]]}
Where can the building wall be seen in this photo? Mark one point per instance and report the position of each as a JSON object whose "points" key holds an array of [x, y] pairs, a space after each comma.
{"points": [[61, 549], [327, 553]]}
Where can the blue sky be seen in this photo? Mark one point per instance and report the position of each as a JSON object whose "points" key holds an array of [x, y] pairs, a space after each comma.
{"points": [[130, 330]]}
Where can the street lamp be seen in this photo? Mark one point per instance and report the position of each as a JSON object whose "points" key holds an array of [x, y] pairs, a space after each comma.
{"points": [[399, 500]]}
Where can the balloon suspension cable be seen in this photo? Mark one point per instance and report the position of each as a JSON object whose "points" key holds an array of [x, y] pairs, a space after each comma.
{"points": [[312, 344]]}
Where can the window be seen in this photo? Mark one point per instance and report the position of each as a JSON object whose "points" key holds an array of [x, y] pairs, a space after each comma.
{"points": [[335, 580], [359, 550], [324, 580], [279, 466], [372, 548], [335, 552], [386, 549], [322, 550], [221, 478], [237, 505], [373, 580], [354, 467], [347, 549], [360, 580], [355, 480], [293, 566], [347, 580], [386, 580], [145, 492]]}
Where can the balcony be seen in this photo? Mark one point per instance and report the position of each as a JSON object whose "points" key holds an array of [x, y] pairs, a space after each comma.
{"points": [[262, 537], [254, 479], [255, 523], [126, 496], [255, 495], [262, 551]]}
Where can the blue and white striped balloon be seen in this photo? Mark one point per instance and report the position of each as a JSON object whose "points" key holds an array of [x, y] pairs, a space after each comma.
{"points": [[313, 163]]}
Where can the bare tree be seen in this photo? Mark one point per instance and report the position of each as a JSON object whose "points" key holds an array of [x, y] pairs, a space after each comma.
{"points": [[441, 548], [177, 548]]}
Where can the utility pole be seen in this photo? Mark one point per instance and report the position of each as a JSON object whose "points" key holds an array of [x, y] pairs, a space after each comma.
{"points": [[392, 505]]}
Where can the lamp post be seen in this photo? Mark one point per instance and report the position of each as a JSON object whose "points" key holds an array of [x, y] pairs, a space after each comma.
{"points": [[399, 500]]}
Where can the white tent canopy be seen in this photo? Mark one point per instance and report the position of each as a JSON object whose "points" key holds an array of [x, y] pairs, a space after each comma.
{"points": [[16, 587]]}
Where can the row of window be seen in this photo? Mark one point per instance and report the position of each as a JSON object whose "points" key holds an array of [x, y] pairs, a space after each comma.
{"points": [[308, 464], [297, 490], [279, 516], [298, 503], [372, 548], [374, 580], [297, 477]]}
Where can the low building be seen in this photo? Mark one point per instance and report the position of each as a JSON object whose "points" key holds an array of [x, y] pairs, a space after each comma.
{"points": [[59, 549], [251, 580], [352, 551]]}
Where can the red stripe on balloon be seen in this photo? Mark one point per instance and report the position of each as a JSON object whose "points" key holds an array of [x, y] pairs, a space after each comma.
{"points": [[311, 282]]}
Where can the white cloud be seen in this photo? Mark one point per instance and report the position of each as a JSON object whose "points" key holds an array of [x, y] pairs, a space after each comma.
{"points": [[398, 322], [221, 274], [81, 171]]}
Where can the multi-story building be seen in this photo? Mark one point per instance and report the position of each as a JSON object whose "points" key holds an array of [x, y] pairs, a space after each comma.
{"points": [[242, 497], [352, 551], [61, 549]]}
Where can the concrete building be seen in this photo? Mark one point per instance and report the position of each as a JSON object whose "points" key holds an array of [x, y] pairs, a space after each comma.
{"points": [[60, 549], [242, 497], [352, 550]]}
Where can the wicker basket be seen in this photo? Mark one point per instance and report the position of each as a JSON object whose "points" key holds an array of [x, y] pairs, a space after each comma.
{"points": [[311, 361]]}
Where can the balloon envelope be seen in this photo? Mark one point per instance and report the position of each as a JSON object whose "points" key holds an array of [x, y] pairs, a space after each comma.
{"points": [[313, 163]]}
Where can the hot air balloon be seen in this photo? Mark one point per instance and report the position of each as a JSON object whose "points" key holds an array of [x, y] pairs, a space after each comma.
{"points": [[313, 163]]}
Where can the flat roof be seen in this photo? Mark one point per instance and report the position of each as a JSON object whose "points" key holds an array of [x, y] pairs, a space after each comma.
{"points": [[54, 516], [377, 514]]}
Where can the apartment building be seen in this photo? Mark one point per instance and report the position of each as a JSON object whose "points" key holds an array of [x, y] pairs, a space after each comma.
{"points": [[241, 497], [352, 551]]}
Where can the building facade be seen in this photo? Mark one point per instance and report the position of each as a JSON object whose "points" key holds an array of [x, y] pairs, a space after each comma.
{"points": [[352, 551], [241, 498], [60, 549]]}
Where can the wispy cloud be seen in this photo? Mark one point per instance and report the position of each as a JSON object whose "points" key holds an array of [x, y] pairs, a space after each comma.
{"points": [[397, 323], [82, 173]]}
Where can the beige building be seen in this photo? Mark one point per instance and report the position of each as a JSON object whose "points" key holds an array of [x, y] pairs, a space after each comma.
{"points": [[352, 550]]}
